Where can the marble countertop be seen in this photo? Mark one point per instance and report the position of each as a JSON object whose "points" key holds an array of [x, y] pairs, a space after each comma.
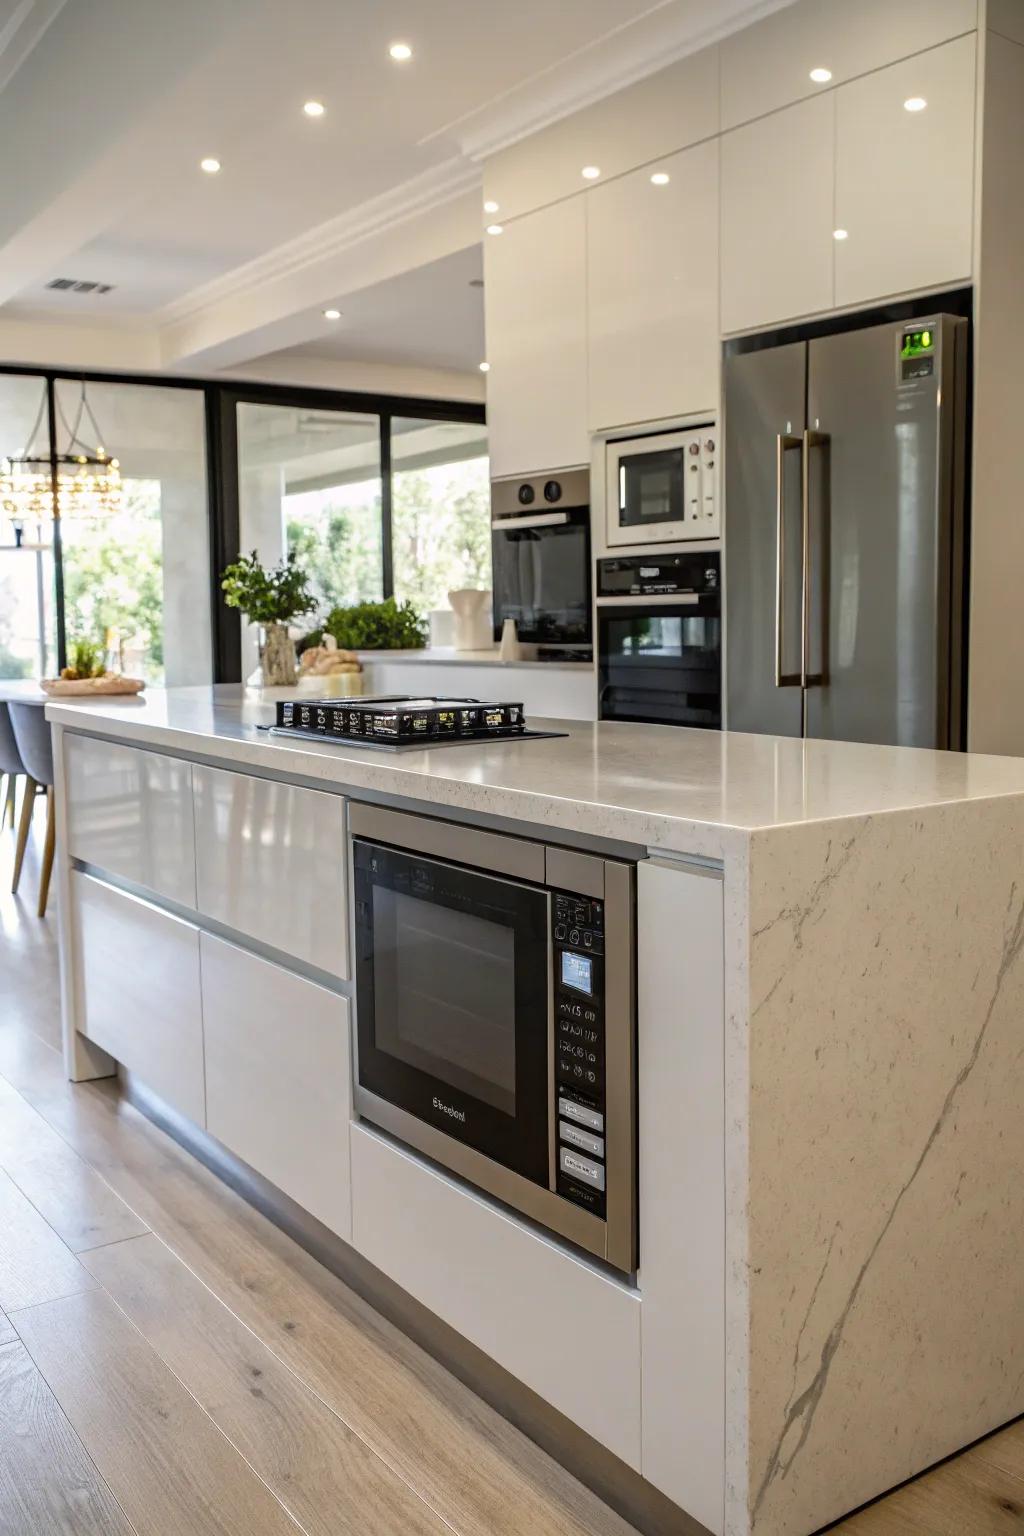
{"points": [[447, 655], [690, 791]]}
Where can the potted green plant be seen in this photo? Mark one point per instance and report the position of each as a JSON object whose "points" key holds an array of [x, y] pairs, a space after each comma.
{"points": [[386, 626], [270, 598]]}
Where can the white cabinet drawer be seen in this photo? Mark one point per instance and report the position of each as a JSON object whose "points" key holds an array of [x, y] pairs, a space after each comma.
{"points": [[567, 1331], [130, 812], [138, 979], [271, 863], [278, 1077]]}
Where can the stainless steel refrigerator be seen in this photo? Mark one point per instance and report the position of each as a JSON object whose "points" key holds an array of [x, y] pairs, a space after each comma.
{"points": [[844, 533]]}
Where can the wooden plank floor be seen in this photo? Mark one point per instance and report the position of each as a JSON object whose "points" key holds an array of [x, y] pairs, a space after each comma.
{"points": [[172, 1363]]}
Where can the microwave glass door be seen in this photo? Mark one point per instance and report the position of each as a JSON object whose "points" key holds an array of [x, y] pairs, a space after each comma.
{"points": [[661, 665], [651, 488], [453, 1016], [542, 580]]}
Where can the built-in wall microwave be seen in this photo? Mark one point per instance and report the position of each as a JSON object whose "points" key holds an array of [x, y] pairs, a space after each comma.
{"points": [[662, 488], [495, 1017]]}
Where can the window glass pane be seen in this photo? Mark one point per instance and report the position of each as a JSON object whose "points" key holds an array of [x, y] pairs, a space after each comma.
{"points": [[28, 645], [136, 561], [441, 510], [309, 480]]}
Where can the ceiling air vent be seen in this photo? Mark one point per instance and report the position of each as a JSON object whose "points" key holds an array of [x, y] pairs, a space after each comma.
{"points": [[73, 285]]}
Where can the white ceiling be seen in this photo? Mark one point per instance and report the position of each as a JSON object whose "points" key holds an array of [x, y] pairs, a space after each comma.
{"points": [[107, 106]]}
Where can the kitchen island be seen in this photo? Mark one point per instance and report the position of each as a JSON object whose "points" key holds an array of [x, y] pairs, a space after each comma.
{"points": [[830, 1294]]}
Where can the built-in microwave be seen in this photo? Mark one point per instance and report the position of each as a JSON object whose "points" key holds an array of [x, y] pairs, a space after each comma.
{"points": [[495, 1017], [662, 488]]}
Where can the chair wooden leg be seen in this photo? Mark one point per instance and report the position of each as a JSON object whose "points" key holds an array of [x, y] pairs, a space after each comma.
{"points": [[12, 790], [47, 869], [23, 828]]}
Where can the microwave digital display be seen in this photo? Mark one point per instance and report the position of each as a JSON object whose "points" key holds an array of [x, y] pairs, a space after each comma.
{"points": [[577, 972]]}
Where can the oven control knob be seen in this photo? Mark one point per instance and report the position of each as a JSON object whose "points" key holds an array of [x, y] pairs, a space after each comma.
{"points": [[574, 935], [527, 495], [552, 490], [710, 445], [695, 448]]}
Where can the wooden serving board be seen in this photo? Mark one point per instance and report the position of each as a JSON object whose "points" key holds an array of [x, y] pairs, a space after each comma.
{"points": [[89, 687]]}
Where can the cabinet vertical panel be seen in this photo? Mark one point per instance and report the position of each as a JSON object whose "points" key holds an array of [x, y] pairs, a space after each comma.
{"points": [[536, 314], [905, 180], [129, 812], [278, 1077], [681, 1088], [138, 969], [270, 862], [652, 291], [777, 216]]}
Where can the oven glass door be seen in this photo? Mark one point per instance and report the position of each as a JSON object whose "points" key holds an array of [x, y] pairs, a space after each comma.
{"points": [[661, 665], [541, 579], [454, 1001], [651, 488]]}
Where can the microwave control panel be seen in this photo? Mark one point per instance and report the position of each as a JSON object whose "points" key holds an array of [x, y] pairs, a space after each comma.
{"points": [[579, 1075]]}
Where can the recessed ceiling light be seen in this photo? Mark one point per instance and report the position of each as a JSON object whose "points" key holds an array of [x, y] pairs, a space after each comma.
{"points": [[314, 109], [490, 206], [839, 234], [332, 314], [660, 179], [209, 165], [400, 52], [821, 76], [590, 172], [915, 104], [485, 367], [495, 229]]}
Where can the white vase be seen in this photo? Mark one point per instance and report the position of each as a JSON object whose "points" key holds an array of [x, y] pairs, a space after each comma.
{"points": [[472, 610]]}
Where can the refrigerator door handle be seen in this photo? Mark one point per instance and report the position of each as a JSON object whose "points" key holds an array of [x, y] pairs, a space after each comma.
{"points": [[819, 678], [784, 443]]}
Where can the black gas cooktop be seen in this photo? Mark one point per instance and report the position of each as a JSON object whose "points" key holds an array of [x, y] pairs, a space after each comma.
{"points": [[397, 721]]}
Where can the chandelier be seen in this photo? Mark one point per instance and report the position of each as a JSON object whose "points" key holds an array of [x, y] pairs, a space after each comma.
{"points": [[87, 481]]}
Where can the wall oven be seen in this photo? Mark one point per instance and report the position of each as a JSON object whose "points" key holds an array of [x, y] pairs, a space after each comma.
{"points": [[659, 639], [540, 551], [496, 1017], [662, 488]]}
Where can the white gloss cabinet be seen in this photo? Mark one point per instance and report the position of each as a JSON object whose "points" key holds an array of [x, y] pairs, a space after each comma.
{"points": [[137, 979], [652, 291], [278, 1077], [270, 863], [536, 314], [129, 812], [777, 216], [905, 180], [681, 1086], [557, 1323]]}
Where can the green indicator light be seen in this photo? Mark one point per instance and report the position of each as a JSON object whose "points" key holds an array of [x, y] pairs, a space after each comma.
{"points": [[926, 338]]}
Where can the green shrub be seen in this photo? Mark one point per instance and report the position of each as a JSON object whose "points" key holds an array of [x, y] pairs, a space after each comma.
{"points": [[386, 626]]}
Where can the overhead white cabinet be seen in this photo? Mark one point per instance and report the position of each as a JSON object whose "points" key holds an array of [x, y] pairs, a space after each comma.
{"points": [[769, 65], [777, 216], [536, 312], [652, 291], [905, 179], [278, 1079], [138, 990], [130, 813], [270, 863]]}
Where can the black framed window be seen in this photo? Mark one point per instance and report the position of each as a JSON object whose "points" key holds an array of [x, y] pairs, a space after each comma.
{"points": [[381, 495]]}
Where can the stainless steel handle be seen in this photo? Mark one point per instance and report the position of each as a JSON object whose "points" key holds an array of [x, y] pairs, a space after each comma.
{"points": [[784, 442], [810, 440], [535, 520], [652, 600]]}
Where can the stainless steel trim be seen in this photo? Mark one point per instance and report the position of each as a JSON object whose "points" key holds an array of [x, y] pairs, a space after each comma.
{"points": [[620, 1063], [577, 872], [533, 1200], [575, 488], [650, 600], [552, 1116], [783, 443], [535, 520], [489, 851], [810, 440]]}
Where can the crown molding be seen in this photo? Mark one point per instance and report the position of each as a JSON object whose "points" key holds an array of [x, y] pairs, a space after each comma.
{"points": [[389, 211], [609, 64]]}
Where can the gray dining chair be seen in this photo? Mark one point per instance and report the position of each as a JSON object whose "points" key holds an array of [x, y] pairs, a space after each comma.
{"points": [[35, 747], [10, 764]]}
